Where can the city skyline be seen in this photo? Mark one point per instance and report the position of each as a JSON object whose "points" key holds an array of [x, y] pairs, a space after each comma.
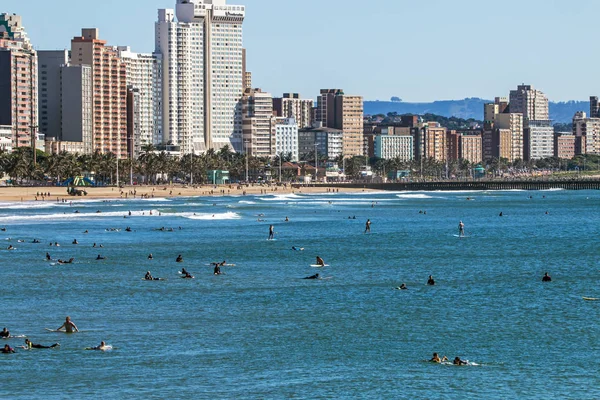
{"points": [[378, 46]]}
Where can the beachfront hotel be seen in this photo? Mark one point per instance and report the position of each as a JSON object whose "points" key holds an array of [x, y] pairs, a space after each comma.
{"points": [[19, 80], [202, 74]]}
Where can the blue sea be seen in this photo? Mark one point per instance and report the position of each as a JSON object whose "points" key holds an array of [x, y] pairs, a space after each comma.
{"points": [[260, 331]]}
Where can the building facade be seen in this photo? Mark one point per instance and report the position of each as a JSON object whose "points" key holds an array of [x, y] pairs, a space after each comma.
{"points": [[538, 140], [564, 145], [509, 136], [292, 106], [337, 110], [286, 137], [587, 133], [18, 81], [109, 93], [532, 103], [258, 125], [393, 146], [203, 74]]}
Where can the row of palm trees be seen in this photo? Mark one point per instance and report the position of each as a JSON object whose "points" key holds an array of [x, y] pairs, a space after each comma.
{"points": [[153, 167]]}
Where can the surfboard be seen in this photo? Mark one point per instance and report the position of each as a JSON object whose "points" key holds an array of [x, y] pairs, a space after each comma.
{"points": [[150, 280], [319, 266], [459, 236], [15, 337], [57, 331], [591, 298], [105, 348]]}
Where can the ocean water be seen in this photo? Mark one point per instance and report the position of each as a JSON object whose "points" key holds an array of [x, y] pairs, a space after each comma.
{"points": [[262, 332]]}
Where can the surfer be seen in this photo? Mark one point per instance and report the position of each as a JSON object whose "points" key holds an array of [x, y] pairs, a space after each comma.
{"points": [[100, 257], [368, 226], [5, 333], [287, 219], [48, 258], [217, 270], [68, 326], [10, 247], [436, 358], [75, 241], [315, 276], [184, 271], [402, 287], [546, 278], [461, 229], [500, 214], [458, 361], [320, 262], [297, 248], [30, 345], [7, 349], [271, 232], [430, 281], [187, 275], [179, 259], [150, 257], [102, 346], [149, 277]]}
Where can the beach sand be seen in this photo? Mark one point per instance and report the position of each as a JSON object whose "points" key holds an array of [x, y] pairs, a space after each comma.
{"points": [[159, 191]]}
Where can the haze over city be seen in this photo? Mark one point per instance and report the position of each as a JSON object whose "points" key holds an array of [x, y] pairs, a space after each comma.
{"points": [[419, 51]]}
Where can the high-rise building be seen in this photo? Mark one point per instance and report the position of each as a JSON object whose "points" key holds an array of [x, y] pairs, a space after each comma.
{"points": [[532, 103], [538, 140], [203, 74], [18, 82], [65, 102], [337, 110], [432, 142], [292, 106], [325, 141], [109, 91], [393, 146], [143, 74], [564, 145], [594, 107], [587, 134], [470, 147], [508, 136], [258, 127]]}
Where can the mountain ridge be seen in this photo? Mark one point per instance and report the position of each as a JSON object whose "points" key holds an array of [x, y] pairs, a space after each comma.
{"points": [[560, 112]]}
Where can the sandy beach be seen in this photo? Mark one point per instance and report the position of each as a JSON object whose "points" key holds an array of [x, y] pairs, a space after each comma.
{"points": [[159, 191]]}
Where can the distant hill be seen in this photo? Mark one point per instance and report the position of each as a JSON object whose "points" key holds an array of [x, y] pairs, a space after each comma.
{"points": [[471, 108]]}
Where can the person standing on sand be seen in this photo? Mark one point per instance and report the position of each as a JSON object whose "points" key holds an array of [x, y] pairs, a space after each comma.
{"points": [[271, 232]]}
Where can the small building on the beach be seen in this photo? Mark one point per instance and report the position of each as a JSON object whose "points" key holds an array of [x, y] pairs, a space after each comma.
{"points": [[217, 177]]}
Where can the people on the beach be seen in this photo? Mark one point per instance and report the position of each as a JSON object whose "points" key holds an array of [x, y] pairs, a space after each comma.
{"points": [[368, 226], [546, 278], [30, 345], [68, 326], [5, 333], [430, 281], [320, 261]]}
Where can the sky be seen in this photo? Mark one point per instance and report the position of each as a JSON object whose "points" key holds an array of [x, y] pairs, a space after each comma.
{"points": [[418, 50]]}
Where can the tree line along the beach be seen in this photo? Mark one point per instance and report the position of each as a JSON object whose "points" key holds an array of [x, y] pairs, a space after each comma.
{"points": [[153, 167]]}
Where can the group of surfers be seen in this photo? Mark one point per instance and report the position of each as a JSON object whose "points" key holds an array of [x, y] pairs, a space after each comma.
{"points": [[68, 327], [457, 361]]}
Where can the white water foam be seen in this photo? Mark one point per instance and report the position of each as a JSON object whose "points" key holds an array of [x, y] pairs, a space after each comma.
{"points": [[414, 196]]}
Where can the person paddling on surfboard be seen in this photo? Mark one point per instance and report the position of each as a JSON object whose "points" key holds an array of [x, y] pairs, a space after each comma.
{"points": [[436, 358], [68, 326], [320, 261], [458, 361], [7, 349], [461, 229], [315, 276], [5, 333], [102, 346], [29, 345]]}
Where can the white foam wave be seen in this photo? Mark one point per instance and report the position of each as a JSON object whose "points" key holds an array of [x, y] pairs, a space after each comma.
{"points": [[414, 196], [222, 216], [246, 202], [282, 197], [73, 216]]}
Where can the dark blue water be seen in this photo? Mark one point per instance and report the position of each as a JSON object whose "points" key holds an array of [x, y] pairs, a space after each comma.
{"points": [[260, 331]]}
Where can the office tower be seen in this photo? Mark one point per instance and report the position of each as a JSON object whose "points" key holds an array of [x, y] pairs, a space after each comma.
{"points": [[337, 110], [532, 103], [587, 134], [143, 76], [257, 113], [202, 66], [286, 137], [18, 82], [109, 94], [65, 103], [292, 106]]}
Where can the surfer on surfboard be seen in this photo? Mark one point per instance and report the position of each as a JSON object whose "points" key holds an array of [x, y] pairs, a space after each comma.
{"points": [[320, 262], [461, 229], [68, 326]]}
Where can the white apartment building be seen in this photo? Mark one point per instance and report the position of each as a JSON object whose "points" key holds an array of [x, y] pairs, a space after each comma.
{"points": [[532, 103], [393, 146], [202, 70], [143, 73], [587, 132], [538, 140], [510, 134], [286, 137]]}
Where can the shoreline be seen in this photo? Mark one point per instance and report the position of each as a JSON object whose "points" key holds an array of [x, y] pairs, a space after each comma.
{"points": [[59, 194]]}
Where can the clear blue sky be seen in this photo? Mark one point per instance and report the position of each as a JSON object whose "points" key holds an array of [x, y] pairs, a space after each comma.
{"points": [[419, 50]]}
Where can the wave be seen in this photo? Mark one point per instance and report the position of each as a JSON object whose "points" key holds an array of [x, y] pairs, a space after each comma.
{"points": [[282, 197], [246, 202], [222, 216], [74, 216], [414, 196]]}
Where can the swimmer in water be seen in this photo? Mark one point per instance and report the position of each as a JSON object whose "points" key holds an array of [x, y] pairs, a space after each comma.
{"points": [[68, 326], [436, 359], [546, 278], [430, 281]]}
